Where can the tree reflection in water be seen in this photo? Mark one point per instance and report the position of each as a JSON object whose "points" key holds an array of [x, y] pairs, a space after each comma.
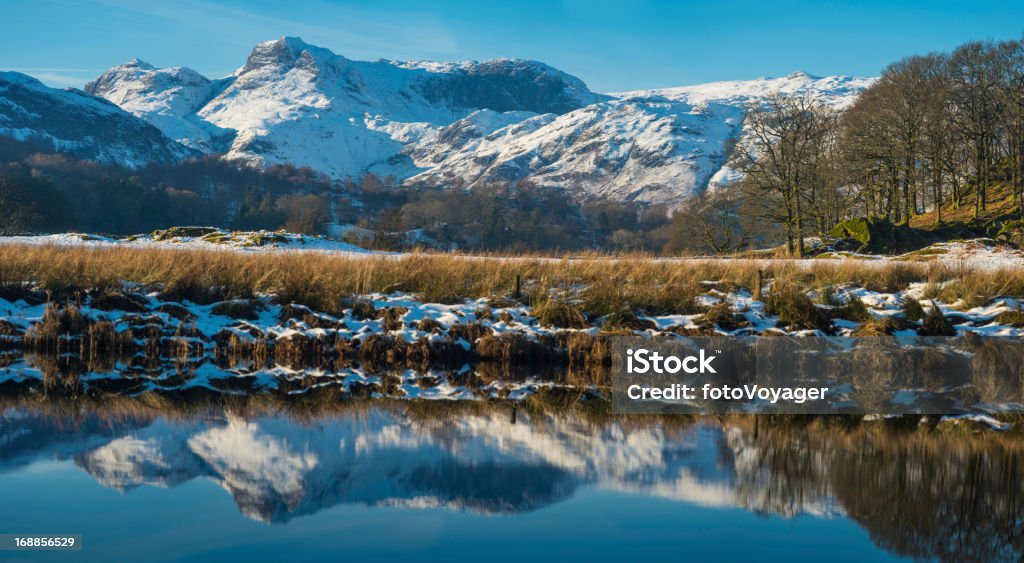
{"points": [[918, 493]]}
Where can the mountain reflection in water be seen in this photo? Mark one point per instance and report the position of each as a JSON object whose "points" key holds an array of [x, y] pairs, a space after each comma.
{"points": [[917, 495]]}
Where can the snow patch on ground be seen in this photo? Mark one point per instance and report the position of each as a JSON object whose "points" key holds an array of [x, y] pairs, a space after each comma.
{"points": [[214, 239]]}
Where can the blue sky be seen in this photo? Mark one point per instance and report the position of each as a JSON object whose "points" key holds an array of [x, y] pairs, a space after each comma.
{"points": [[611, 45]]}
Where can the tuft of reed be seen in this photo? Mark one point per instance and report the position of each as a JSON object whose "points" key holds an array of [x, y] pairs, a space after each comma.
{"points": [[795, 309], [559, 313]]}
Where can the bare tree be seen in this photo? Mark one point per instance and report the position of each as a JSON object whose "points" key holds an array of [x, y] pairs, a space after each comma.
{"points": [[712, 222], [974, 72], [781, 155]]}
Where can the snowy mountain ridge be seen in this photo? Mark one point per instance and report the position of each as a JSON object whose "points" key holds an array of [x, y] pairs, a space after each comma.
{"points": [[462, 124], [72, 121], [837, 91]]}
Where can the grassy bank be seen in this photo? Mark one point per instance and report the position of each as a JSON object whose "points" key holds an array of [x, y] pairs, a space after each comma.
{"points": [[326, 282], [130, 319]]}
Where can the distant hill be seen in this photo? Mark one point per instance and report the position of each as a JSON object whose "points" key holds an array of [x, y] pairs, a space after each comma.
{"points": [[455, 124]]}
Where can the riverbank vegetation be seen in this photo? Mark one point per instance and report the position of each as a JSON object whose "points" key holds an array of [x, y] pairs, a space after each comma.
{"points": [[597, 285], [134, 318]]}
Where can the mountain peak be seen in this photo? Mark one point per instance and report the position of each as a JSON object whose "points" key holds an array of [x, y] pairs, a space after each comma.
{"points": [[138, 75], [139, 64], [801, 75], [285, 53]]}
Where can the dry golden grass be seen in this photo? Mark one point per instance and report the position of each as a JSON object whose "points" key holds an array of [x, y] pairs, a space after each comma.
{"points": [[598, 285]]}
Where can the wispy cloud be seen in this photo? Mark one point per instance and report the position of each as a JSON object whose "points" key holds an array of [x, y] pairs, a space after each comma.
{"points": [[344, 29], [55, 80], [59, 77]]}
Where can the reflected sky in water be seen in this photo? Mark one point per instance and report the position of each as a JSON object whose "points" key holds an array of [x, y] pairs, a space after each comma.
{"points": [[380, 483]]}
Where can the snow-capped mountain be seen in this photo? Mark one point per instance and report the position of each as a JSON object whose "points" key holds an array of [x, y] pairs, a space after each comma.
{"points": [[652, 150], [455, 124], [304, 105], [653, 146], [836, 91], [168, 98], [75, 122]]}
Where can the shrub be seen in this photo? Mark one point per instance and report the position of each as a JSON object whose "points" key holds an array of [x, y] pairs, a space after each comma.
{"points": [[363, 309], [912, 310], [560, 314], [936, 324], [794, 309], [626, 320]]}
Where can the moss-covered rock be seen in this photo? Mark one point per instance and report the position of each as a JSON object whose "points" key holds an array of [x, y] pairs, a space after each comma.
{"points": [[1011, 231], [184, 232], [215, 238], [266, 239], [872, 235]]}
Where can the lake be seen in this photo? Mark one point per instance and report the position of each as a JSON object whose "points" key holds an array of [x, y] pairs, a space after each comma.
{"points": [[375, 481]]}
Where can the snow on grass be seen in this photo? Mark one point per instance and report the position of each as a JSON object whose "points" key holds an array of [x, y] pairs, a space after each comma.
{"points": [[210, 239], [411, 319]]}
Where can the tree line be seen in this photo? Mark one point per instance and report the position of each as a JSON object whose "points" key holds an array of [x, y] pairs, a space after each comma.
{"points": [[51, 192], [44, 191], [935, 132]]}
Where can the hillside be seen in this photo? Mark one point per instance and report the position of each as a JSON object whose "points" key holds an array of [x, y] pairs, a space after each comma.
{"points": [[455, 124], [74, 122], [1000, 205]]}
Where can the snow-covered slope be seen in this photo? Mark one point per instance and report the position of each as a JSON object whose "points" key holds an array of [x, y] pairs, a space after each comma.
{"points": [[653, 146], [168, 98], [836, 91], [456, 124], [75, 122], [652, 150]]}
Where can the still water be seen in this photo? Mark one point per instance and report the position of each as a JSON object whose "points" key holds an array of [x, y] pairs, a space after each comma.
{"points": [[387, 482]]}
